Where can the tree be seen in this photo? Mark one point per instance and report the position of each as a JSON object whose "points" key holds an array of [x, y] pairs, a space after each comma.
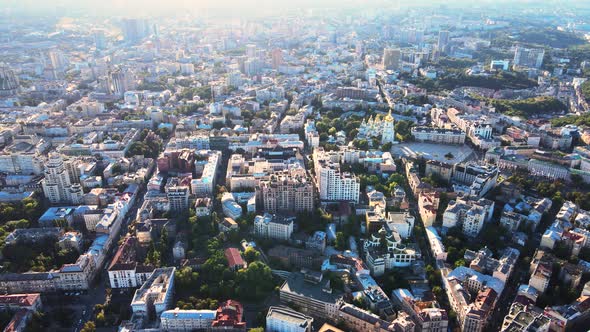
{"points": [[438, 292], [186, 279], [163, 132], [100, 318], [251, 255], [361, 144], [460, 262], [386, 147], [90, 326], [254, 282], [340, 241], [153, 257], [403, 129]]}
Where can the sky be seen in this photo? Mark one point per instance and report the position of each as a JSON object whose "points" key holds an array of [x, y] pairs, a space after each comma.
{"points": [[233, 7]]}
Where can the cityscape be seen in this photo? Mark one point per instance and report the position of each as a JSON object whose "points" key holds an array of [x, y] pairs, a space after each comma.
{"points": [[294, 166]]}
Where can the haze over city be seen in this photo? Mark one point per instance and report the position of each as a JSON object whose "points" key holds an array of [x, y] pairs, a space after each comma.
{"points": [[294, 166]]}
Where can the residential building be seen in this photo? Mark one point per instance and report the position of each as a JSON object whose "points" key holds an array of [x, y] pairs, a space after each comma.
{"points": [[125, 271], [469, 214], [273, 227], [13, 302], [282, 319], [186, 320], [178, 195], [155, 295], [426, 315], [358, 320], [229, 317], [203, 186], [312, 294], [528, 57], [228, 224], [391, 59], [334, 185], [56, 184], [395, 254], [286, 191]]}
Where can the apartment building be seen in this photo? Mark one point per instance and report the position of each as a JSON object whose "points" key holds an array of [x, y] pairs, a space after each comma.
{"points": [[125, 271], [178, 195], [283, 319], [427, 315], [57, 186], [469, 214], [155, 295], [312, 294], [203, 186], [334, 185], [186, 320], [286, 191], [273, 227]]}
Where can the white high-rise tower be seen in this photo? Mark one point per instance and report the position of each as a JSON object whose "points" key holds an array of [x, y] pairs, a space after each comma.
{"points": [[57, 186]]}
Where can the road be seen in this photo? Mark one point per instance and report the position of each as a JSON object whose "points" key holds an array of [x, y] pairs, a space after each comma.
{"points": [[83, 303]]}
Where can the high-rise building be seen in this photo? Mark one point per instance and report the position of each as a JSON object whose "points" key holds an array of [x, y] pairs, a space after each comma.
{"points": [[252, 67], [134, 30], [287, 191], [178, 195], [528, 57], [443, 40], [57, 59], [333, 184], [56, 184], [120, 81], [100, 38], [250, 50], [8, 81], [358, 48], [277, 58], [391, 58], [234, 79]]}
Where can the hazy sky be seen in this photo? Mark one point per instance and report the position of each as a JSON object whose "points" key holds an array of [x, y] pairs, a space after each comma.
{"points": [[167, 7]]}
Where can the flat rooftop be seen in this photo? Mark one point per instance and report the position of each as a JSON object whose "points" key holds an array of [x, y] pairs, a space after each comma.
{"points": [[433, 151]]}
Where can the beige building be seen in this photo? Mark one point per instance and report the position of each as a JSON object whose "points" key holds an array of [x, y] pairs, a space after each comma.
{"points": [[286, 191]]}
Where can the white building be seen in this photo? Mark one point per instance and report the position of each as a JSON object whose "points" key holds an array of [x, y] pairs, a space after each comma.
{"points": [[273, 227], [156, 295], [282, 319], [57, 186], [396, 254], [469, 214], [230, 207], [333, 184], [203, 186], [186, 320]]}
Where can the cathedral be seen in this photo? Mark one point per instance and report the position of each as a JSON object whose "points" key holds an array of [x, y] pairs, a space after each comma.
{"points": [[378, 127]]}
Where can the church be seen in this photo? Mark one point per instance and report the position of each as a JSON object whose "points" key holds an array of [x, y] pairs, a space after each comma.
{"points": [[379, 127]]}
